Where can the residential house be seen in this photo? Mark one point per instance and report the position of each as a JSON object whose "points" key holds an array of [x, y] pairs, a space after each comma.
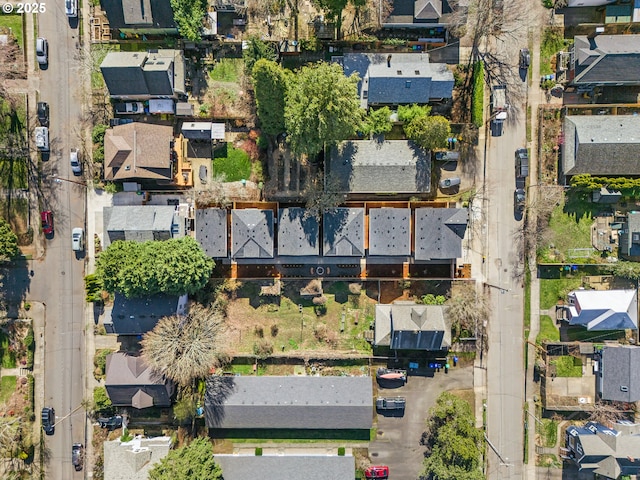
{"points": [[603, 309], [343, 231], [140, 152], [599, 60], [619, 375], [602, 451], [629, 238], [153, 17], [130, 382], [439, 233], [398, 78], [212, 231], [137, 316], [142, 223], [145, 75], [432, 16], [380, 167], [132, 460], [409, 326], [203, 131], [252, 233], [390, 231], [295, 402], [298, 232], [287, 466], [601, 145]]}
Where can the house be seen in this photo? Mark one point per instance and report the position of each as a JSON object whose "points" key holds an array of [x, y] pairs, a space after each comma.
{"points": [[145, 75], [409, 326], [605, 452], [295, 402], [211, 231], [137, 316], [139, 151], [629, 237], [601, 146], [398, 78], [429, 15], [380, 167], [203, 131], [132, 460], [599, 60], [287, 466], [298, 233], [130, 382], [439, 233], [603, 309], [252, 233], [343, 230], [619, 376], [142, 223], [390, 231], [140, 17]]}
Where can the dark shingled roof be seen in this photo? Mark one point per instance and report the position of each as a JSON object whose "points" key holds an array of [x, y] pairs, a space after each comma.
{"points": [[147, 14], [135, 316], [439, 232], [607, 60], [408, 326], [343, 232], [251, 233], [289, 402], [128, 376], [390, 231], [287, 467], [297, 235], [211, 231], [619, 368]]}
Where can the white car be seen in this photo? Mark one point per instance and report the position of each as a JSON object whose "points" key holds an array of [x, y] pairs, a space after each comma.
{"points": [[77, 239], [71, 8], [129, 108], [42, 51], [76, 166]]}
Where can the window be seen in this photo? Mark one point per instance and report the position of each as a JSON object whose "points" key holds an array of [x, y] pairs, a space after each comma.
{"points": [[407, 84]]}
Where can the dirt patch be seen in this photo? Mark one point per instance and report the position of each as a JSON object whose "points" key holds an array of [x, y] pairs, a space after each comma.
{"points": [[551, 122], [18, 403]]}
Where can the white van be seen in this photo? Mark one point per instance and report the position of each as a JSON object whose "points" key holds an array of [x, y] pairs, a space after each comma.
{"points": [[71, 8], [42, 138]]}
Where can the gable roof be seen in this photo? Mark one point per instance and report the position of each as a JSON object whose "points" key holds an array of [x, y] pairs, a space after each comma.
{"points": [[390, 231], [141, 223], [287, 467], [138, 151], [409, 326], [136, 316], [148, 14], [629, 236], [427, 9], [373, 166], [129, 377], [439, 232], [297, 235], [293, 402], [132, 460], [343, 231], [251, 233], [604, 309], [601, 145], [619, 368], [607, 59], [211, 231]]}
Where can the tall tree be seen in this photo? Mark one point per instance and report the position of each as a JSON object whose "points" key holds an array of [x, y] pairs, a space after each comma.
{"points": [[194, 461], [406, 113], [8, 242], [429, 132], [257, 50], [189, 15], [322, 108], [270, 85], [467, 310]]}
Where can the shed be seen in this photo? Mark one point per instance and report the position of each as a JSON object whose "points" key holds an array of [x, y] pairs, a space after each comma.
{"points": [[184, 109]]}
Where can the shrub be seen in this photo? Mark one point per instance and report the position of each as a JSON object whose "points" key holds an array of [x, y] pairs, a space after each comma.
{"points": [[320, 310], [341, 451], [258, 451], [100, 363], [29, 344], [325, 335], [355, 288], [321, 300], [274, 330], [93, 288], [126, 436], [259, 331], [477, 104], [101, 401], [263, 348], [97, 135]]}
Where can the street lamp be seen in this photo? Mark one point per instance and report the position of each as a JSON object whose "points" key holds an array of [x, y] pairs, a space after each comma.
{"points": [[58, 179]]}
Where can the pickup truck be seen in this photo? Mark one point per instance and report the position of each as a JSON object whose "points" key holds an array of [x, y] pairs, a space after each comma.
{"points": [[391, 403], [129, 108]]}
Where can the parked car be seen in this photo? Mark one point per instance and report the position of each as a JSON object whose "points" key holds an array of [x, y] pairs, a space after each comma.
{"points": [[391, 374], [114, 122], [76, 166], [77, 454], [71, 8], [378, 471], [46, 218], [42, 51], [110, 422], [42, 138], [449, 182], [447, 156], [203, 174], [129, 108], [43, 113], [77, 239], [48, 420], [522, 163], [519, 199], [525, 58], [391, 403]]}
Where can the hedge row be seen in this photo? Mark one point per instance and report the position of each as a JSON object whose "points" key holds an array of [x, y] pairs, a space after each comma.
{"points": [[477, 107]]}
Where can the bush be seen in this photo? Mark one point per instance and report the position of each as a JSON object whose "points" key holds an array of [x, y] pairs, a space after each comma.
{"points": [[341, 451], [101, 401], [97, 135], [325, 335], [258, 451], [100, 363], [274, 330], [320, 310], [259, 331], [126, 436], [93, 288], [431, 299], [477, 104], [355, 288], [29, 344], [263, 348], [321, 300]]}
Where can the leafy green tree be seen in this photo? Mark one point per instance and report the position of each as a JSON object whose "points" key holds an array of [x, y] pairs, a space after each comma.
{"points": [[257, 50], [189, 15], [429, 132], [101, 401], [194, 461], [322, 108], [8, 242], [625, 269], [406, 113], [334, 8], [270, 85], [377, 122]]}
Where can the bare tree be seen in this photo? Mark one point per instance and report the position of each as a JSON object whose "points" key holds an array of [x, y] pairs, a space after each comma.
{"points": [[322, 197], [608, 413], [467, 310]]}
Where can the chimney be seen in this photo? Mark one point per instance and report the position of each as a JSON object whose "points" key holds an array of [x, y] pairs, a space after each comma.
{"points": [[389, 61]]}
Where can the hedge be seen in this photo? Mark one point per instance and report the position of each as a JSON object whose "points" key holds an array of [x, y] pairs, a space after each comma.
{"points": [[477, 107]]}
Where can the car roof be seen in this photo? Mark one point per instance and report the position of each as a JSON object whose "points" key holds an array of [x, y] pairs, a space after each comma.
{"points": [[77, 230]]}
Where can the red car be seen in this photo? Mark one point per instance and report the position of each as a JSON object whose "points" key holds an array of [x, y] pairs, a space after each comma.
{"points": [[379, 471], [47, 222]]}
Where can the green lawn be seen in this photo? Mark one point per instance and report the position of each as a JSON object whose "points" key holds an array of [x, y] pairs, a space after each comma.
{"points": [[14, 23], [227, 70], [552, 290], [13, 173], [567, 366], [552, 42], [98, 52], [548, 331], [570, 229], [548, 432], [231, 162], [7, 387], [581, 334]]}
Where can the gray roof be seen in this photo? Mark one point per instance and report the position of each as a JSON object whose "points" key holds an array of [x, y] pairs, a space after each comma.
{"points": [[289, 402], [128, 376], [132, 460], [619, 368], [607, 60], [629, 236], [409, 326], [373, 166], [136, 316], [251, 233], [427, 9], [439, 232], [343, 231], [390, 231], [146, 14], [297, 235], [601, 145], [140, 223], [211, 231], [287, 467]]}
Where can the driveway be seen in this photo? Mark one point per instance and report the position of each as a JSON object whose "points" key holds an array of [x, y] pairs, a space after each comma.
{"points": [[398, 441]]}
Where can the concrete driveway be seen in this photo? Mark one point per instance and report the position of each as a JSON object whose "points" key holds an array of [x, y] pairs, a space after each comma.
{"points": [[398, 441]]}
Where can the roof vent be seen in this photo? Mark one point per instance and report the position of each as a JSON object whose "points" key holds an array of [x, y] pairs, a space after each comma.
{"points": [[624, 388], [399, 72], [389, 61], [417, 72]]}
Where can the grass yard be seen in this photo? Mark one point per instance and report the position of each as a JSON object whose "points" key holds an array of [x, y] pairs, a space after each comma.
{"points": [[552, 42], [568, 231], [227, 70], [13, 23], [581, 334], [567, 366], [552, 290], [16, 213], [232, 163], [98, 52], [14, 173], [7, 387], [548, 432], [548, 331]]}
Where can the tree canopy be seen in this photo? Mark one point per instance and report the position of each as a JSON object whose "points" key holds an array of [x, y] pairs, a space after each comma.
{"points": [[135, 269], [466, 309], [194, 461], [322, 108], [270, 86], [429, 132], [8, 242], [406, 113], [586, 183], [257, 50], [189, 15], [334, 9], [377, 121]]}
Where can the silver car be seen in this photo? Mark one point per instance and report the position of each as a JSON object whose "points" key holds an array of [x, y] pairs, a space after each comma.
{"points": [[42, 51], [76, 166], [449, 182], [77, 239]]}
